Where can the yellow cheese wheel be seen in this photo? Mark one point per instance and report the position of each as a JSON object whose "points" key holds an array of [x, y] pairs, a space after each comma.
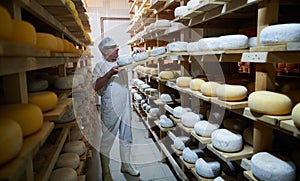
{"points": [[46, 100], [66, 45], [209, 88], [11, 139], [71, 47], [231, 92], [60, 44], [296, 115], [166, 75], [267, 102], [29, 116], [183, 81], [7, 28], [23, 33], [195, 84], [46, 41]]}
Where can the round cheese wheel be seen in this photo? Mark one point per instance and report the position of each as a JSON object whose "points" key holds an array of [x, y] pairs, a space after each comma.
{"points": [[166, 75], [23, 33], [233, 42], [68, 160], [158, 51], [65, 82], [189, 119], [154, 112], [179, 144], [11, 139], [37, 85], [165, 122], [192, 47], [60, 45], [77, 147], [183, 81], [165, 98], [205, 128], [162, 23], [124, 60], [226, 141], [266, 166], [235, 124], [154, 71], [140, 56], [189, 155], [68, 116], [248, 135], [195, 84], [266, 102], [46, 41], [231, 92], [209, 88], [177, 46], [46, 100], [252, 42], [63, 174], [76, 134], [28, 116], [296, 115], [192, 4], [208, 168], [180, 11], [66, 46], [212, 43], [178, 111], [280, 33], [6, 31]]}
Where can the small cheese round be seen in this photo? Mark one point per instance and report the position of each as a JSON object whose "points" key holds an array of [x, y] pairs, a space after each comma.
{"points": [[63, 174], [37, 85], [233, 42], [158, 51], [166, 75], [205, 128], [46, 100], [266, 166], [178, 111], [226, 141], [195, 84], [179, 144], [77, 147], [231, 92], [180, 11], [23, 33], [248, 135], [6, 31], [165, 122], [183, 81], [189, 119], [154, 112], [209, 88], [11, 139], [267, 102], [68, 160], [46, 41], [189, 155], [296, 115], [165, 98], [208, 169]]}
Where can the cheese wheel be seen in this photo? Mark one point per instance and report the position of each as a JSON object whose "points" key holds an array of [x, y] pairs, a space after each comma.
{"points": [[68, 116], [233, 42], [180, 11], [46, 100], [177, 46], [23, 33], [46, 41], [192, 47], [37, 85], [248, 135], [65, 82], [227, 141], [296, 115], [162, 23], [140, 56], [166, 75], [154, 71], [189, 155], [231, 92], [66, 45], [154, 112], [266, 102], [195, 84], [179, 144], [178, 111], [29, 116], [158, 51], [77, 147], [60, 44], [189, 119], [209, 88], [124, 60], [11, 139], [252, 42], [63, 174], [192, 4], [183, 81], [208, 168], [212, 43], [6, 31], [205, 128], [165, 98], [68, 160], [76, 134], [266, 166], [165, 122]]}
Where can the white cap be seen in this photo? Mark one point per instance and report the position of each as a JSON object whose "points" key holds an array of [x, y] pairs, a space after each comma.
{"points": [[106, 42]]}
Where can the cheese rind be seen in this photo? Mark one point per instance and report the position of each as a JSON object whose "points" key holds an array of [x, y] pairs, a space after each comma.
{"points": [[226, 141], [77, 147], [296, 115], [209, 88], [233, 42], [166, 75], [189, 155], [177, 46], [23, 33], [180, 11], [63, 174], [205, 128], [231, 92], [46, 41], [68, 160], [183, 81], [189, 119], [46, 100], [6, 31], [179, 144], [208, 169], [195, 84]]}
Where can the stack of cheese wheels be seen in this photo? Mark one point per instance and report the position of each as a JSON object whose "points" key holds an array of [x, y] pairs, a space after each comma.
{"points": [[266, 102], [6, 31], [189, 119], [35, 85], [23, 33], [248, 135], [195, 84], [189, 155], [29, 116], [11, 139], [63, 174], [226, 141], [46, 41], [231, 92], [296, 115], [166, 75], [68, 160], [205, 128], [208, 168], [183, 81], [266, 166], [46, 100], [77, 147], [209, 88]]}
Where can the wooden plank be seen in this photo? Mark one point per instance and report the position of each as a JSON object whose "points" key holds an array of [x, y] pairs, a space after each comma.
{"points": [[157, 3], [207, 5], [63, 125], [176, 120], [246, 152], [164, 129], [186, 129], [80, 168], [198, 177], [248, 174], [201, 139], [176, 151], [51, 2], [18, 50], [58, 111], [290, 126], [187, 164], [228, 104]]}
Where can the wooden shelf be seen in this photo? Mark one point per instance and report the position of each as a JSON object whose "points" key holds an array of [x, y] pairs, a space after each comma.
{"points": [[248, 174], [223, 176], [246, 152], [12, 49], [63, 125], [14, 169], [185, 129], [157, 3], [229, 104], [176, 120], [164, 129], [290, 127], [58, 111], [271, 56], [201, 139], [176, 151], [186, 164]]}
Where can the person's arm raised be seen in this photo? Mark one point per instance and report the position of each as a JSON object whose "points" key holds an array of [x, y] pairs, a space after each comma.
{"points": [[102, 81]]}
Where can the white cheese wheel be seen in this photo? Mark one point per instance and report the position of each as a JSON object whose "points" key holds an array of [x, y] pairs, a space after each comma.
{"points": [[166, 75], [205, 128], [233, 42], [266, 102], [124, 60], [180, 11], [68, 116], [183, 81], [177, 46], [296, 115], [65, 82], [154, 112], [37, 85], [140, 56], [208, 169], [162, 23], [192, 4], [46, 100], [179, 144], [209, 88], [178, 111], [6, 31], [193, 46], [67, 160], [226, 141], [46, 41], [248, 135], [252, 42], [23, 33], [195, 84], [77, 147], [231, 92], [235, 124], [212, 43], [11, 139], [28, 116], [189, 155], [158, 51], [63, 174], [189, 119], [166, 98], [280, 33], [266, 166]]}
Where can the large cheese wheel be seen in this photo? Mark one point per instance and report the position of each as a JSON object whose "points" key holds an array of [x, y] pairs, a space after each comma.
{"points": [[208, 168], [183, 81], [252, 42], [37, 85], [65, 82], [233, 42], [29, 116], [68, 160], [248, 135], [231, 92], [11, 139], [195, 84], [192, 47], [46, 41], [166, 75], [77, 147], [205, 128], [189, 119], [6, 31], [226, 141], [209, 88], [60, 44], [212, 43], [46, 100], [296, 115], [266, 102], [63, 174], [266, 166], [23, 33], [189, 155]]}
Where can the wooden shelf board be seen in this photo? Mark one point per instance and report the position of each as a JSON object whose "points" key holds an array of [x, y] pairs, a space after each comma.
{"points": [[14, 169], [58, 111], [80, 168], [246, 152], [201, 139], [193, 170], [187, 164], [229, 104], [157, 3], [290, 126], [12, 49], [176, 151], [186, 129], [248, 174], [63, 125], [164, 129], [271, 57], [176, 120]]}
